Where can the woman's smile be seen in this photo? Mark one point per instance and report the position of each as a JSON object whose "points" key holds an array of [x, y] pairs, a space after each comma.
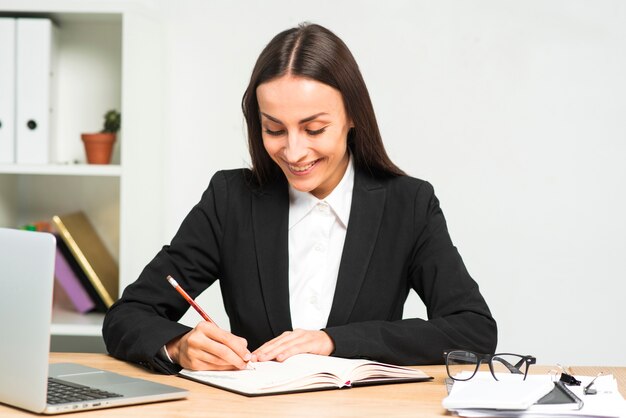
{"points": [[302, 169]]}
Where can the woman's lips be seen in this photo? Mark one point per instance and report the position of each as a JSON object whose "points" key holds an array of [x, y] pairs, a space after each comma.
{"points": [[302, 169]]}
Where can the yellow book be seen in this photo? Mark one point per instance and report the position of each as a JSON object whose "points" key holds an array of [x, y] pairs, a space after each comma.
{"points": [[90, 253]]}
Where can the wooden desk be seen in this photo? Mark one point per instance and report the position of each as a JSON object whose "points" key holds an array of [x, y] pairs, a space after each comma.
{"points": [[401, 400]]}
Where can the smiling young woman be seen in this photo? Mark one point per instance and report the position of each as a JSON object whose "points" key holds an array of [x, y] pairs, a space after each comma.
{"points": [[316, 246], [313, 53], [305, 132]]}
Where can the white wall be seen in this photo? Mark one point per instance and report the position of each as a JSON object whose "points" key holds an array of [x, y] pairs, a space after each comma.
{"points": [[514, 110]]}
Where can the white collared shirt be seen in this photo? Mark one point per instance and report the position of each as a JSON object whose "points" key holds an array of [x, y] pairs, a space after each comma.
{"points": [[317, 231]]}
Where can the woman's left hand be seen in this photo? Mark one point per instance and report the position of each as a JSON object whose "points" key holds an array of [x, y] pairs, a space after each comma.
{"points": [[294, 342]]}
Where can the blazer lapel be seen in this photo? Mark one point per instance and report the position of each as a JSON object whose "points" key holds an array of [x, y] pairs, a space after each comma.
{"points": [[270, 217], [368, 202]]}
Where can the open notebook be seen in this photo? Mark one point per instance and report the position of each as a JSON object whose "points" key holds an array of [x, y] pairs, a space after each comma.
{"points": [[306, 372]]}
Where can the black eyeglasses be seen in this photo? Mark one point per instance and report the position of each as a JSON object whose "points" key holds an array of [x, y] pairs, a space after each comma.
{"points": [[463, 365]]}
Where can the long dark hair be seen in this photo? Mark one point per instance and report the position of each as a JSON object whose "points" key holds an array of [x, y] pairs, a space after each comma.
{"points": [[314, 52]]}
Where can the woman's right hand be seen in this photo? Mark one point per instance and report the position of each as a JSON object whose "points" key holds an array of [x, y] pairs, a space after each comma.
{"points": [[208, 347]]}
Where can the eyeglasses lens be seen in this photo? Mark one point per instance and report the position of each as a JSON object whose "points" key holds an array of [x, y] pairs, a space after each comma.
{"points": [[511, 365], [461, 364]]}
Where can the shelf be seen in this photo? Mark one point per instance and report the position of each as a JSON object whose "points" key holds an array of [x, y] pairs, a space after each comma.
{"points": [[62, 169], [66, 322], [107, 56]]}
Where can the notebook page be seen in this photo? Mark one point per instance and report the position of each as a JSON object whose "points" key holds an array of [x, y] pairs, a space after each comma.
{"points": [[298, 372]]}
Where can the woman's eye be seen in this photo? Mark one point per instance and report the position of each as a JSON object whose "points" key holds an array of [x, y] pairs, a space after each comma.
{"points": [[316, 131], [274, 133]]}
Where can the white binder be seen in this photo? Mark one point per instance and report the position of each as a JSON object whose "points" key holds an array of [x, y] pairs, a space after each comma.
{"points": [[34, 69], [7, 90]]}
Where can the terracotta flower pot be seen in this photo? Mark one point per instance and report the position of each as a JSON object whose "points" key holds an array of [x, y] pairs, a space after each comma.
{"points": [[99, 147]]}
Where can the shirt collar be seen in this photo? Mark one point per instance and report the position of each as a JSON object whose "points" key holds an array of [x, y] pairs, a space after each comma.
{"points": [[339, 200]]}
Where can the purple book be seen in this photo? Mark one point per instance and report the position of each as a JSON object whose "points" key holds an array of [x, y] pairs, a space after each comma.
{"points": [[75, 291]]}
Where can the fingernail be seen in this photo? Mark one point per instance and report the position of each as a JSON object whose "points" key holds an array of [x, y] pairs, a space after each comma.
{"points": [[247, 357]]}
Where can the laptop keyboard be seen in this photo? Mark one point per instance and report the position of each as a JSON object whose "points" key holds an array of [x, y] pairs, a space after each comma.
{"points": [[60, 391]]}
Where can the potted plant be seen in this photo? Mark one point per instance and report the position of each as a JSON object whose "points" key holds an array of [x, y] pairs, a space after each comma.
{"points": [[99, 146]]}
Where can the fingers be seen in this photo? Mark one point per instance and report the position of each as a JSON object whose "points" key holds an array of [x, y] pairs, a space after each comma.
{"points": [[275, 344], [295, 342], [202, 360], [238, 345], [208, 347]]}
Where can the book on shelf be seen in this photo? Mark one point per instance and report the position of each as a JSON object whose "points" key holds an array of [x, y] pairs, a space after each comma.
{"points": [[71, 285], [88, 257], [100, 305], [305, 373], [35, 57], [7, 87]]}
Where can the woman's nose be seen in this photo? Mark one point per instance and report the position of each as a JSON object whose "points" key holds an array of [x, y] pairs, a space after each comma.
{"points": [[295, 148]]}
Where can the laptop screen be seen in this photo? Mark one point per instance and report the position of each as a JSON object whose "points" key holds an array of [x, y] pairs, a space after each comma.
{"points": [[27, 262]]}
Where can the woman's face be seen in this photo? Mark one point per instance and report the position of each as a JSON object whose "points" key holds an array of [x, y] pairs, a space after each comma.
{"points": [[305, 131]]}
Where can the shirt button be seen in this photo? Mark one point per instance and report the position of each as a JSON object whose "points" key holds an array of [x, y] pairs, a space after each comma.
{"points": [[319, 247], [323, 207], [313, 300]]}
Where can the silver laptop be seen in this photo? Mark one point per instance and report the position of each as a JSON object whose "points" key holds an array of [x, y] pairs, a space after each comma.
{"points": [[27, 381]]}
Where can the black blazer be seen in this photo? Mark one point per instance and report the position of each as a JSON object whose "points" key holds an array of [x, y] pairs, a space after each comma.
{"points": [[396, 240]]}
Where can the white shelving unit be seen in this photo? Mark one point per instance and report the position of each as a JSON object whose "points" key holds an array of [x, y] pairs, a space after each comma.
{"points": [[72, 323], [109, 56]]}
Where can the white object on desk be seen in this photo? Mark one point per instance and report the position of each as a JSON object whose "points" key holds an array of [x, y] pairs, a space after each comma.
{"points": [[492, 394], [608, 403]]}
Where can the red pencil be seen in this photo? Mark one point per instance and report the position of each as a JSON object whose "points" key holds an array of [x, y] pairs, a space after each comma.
{"points": [[175, 285], [192, 302]]}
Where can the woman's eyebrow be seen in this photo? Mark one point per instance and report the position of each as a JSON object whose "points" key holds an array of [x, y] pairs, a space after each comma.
{"points": [[310, 118], [305, 120]]}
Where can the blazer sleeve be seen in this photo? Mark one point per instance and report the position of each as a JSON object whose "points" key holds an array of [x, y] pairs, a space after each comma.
{"points": [[458, 316], [144, 319]]}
